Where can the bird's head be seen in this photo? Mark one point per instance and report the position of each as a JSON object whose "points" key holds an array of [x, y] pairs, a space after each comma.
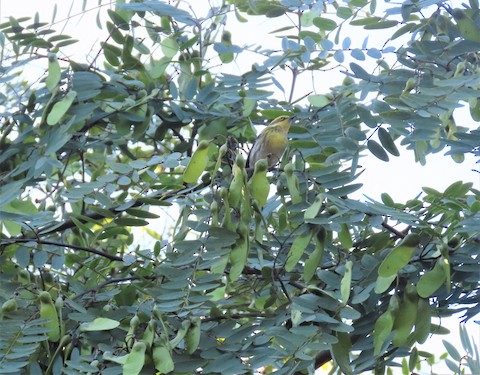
{"points": [[283, 121]]}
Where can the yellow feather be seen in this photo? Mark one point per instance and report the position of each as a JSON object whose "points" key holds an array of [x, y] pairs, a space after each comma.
{"points": [[271, 143]]}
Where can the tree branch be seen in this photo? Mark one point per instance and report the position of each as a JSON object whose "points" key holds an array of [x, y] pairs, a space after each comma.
{"points": [[107, 282], [61, 244], [92, 215]]}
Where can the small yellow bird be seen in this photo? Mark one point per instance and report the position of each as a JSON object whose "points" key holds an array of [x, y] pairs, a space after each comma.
{"points": [[271, 143]]}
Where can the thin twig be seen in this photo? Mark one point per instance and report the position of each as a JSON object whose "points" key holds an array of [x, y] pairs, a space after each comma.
{"points": [[61, 244]]}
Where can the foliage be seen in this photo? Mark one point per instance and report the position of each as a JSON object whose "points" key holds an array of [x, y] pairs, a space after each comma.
{"points": [[97, 157]]}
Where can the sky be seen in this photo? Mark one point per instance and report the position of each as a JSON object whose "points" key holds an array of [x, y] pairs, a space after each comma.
{"points": [[402, 178]]}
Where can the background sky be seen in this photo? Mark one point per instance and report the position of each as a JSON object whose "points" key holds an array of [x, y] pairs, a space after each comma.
{"points": [[402, 178]]}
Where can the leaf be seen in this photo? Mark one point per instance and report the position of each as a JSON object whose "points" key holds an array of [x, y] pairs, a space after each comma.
{"points": [[118, 20], [99, 324], [395, 261], [319, 100], [387, 200], [298, 247], [169, 47], [358, 54], [341, 352], [452, 351], [60, 108], [142, 213], [457, 189], [377, 150], [359, 72], [131, 222], [345, 284], [387, 142], [162, 8], [381, 25], [40, 258], [324, 23]]}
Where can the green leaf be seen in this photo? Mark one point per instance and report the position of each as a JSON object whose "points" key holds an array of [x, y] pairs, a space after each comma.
{"points": [[377, 150], [99, 324], [365, 21], [387, 200], [381, 25], [169, 47], [387, 142], [341, 352], [142, 213], [359, 72], [344, 12], [395, 261], [452, 351], [298, 247], [324, 23], [345, 284], [458, 189], [118, 20], [60, 108], [131, 222], [319, 100]]}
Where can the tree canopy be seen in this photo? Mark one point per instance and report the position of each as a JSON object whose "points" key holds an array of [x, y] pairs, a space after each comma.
{"points": [[134, 240]]}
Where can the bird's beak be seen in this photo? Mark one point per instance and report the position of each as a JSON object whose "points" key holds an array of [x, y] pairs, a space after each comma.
{"points": [[293, 118]]}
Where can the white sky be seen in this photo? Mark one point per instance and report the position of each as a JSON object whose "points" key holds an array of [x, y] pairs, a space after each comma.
{"points": [[401, 177]]}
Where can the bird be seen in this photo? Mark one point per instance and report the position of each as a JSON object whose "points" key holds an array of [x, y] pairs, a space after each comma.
{"points": [[271, 143]]}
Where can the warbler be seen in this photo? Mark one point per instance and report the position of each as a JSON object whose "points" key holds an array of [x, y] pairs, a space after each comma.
{"points": [[271, 143]]}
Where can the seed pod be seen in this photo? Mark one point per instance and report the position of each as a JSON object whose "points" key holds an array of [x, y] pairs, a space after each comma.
{"points": [[135, 359], [238, 182], [162, 356], [9, 305], [182, 331], [197, 164], [48, 311], [292, 184], [149, 333], [192, 338], [258, 185]]}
